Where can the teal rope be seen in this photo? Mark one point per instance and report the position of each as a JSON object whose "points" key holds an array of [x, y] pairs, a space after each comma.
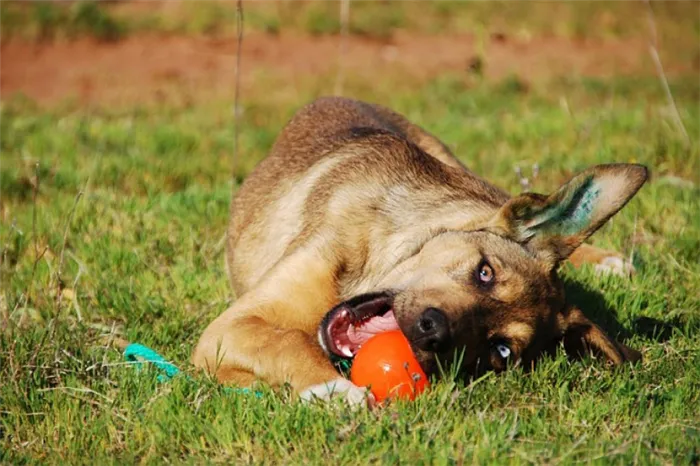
{"points": [[140, 355]]}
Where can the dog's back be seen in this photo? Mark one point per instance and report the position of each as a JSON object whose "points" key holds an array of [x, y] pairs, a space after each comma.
{"points": [[278, 192]]}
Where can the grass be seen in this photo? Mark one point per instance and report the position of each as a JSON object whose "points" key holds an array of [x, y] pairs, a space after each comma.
{"points": [[113, 222], [46, 20]]}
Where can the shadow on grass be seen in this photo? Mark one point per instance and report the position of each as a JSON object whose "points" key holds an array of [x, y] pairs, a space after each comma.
{"points": [[593, 304], [656, 329]]}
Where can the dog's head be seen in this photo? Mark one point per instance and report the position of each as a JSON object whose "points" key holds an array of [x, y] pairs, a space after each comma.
{"points": [[491, 298]]}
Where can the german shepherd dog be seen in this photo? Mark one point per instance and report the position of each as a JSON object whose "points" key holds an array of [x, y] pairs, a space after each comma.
{"points": [[359, 222]]}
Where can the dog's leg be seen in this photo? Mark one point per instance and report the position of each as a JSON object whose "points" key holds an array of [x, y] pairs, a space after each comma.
{"points": [[270, 332], [604, 261], [240, 342], [236, 376]]}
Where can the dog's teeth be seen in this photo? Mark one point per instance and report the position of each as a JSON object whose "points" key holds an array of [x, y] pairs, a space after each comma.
{"points": [[346, 351], [343, 348]]}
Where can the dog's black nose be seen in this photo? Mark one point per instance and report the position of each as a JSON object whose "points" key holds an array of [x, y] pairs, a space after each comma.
{"points": [[432, 330]]}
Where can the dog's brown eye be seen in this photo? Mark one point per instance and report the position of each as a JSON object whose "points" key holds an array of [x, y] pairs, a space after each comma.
{"points": [[485, 273]]}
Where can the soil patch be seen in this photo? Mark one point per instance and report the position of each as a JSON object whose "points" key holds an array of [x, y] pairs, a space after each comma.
{"points": [[152, 67]]}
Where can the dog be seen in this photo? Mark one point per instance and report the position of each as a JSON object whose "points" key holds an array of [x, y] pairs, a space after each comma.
{"points": [[360, 212]]}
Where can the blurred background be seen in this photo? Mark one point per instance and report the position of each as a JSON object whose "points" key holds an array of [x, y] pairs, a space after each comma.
{"points": [[126, 52], [121, 55]]}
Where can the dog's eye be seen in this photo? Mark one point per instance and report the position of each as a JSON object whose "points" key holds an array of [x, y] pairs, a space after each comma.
{"points": [[485, 273], [503, 350]]}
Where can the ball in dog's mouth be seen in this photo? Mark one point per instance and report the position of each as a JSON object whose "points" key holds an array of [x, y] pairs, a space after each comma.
{"points": [[346, 328]]}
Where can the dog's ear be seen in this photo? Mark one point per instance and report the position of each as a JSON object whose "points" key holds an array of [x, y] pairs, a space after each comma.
{"points": [[554, 226], [581, 336]]}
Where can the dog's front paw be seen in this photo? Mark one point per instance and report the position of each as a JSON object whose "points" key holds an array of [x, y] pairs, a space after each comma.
{"points": [[339, 388], [614, 265]]}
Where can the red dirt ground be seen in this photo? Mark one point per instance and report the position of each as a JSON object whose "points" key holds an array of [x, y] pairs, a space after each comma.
{"points": [[146, 68]]}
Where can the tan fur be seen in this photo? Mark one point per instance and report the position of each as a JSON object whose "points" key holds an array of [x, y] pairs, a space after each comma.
{"points": [[587, 254], [519, 331], [353, 199]]}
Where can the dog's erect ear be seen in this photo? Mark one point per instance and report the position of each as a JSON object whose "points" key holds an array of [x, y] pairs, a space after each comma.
{"points": [[556, 225], [581, 336]]}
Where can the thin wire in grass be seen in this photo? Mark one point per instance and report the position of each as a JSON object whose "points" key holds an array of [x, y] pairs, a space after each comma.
{"points": [[72, 391], [35, 238], [662, 75], [34, 196], [344, 28], [59, 281], [236, 110]]}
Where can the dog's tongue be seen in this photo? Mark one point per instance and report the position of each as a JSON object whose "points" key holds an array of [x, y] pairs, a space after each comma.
{"points": [[374, 326]]}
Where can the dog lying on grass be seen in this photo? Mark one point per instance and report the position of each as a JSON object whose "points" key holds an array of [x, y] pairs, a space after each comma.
{"points": [[355, 205]]}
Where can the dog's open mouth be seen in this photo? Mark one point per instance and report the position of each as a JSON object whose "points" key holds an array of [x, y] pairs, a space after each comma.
{"points": [[350, 324], [346, 335]]}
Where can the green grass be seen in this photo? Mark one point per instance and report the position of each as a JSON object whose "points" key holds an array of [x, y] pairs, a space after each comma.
{"points": [[139, 254], [42, 21]]}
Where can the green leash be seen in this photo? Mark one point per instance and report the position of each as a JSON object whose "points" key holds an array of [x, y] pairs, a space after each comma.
{"points": [[139, 355]]}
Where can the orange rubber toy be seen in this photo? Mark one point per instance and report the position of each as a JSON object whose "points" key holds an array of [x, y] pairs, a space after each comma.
{"points": [[386, 364]]}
